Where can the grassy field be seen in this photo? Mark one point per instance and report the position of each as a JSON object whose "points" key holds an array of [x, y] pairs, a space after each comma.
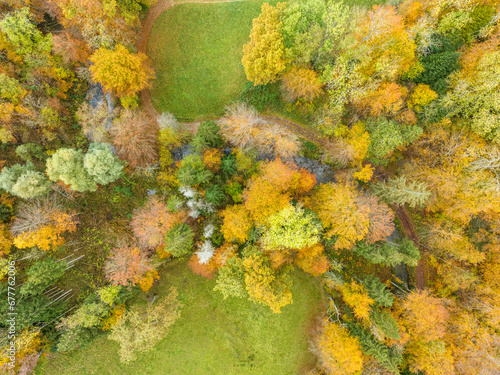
{"points": [[213, 335], [196, 50]]}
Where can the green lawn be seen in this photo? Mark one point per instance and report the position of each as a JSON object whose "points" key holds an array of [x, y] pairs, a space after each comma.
{"points": [[213, 336], [196, 50]]}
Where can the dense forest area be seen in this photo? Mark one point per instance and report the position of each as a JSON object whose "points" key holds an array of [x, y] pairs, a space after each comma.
{"points": [[364, 152]]}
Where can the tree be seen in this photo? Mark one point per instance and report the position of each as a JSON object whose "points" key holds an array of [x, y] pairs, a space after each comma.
{"points": [[23, 181], [398, 190], [291, 228], [357, 298], [127, 265], [265, 285], [101, 23], [70, 48], [264, 55], [24, 35], [66, 164], [141, 327], [207, 136], [390, 253], [231, 279], [386, 136], [152, 221], [378, 291], [342, 217], [120, 71], [381, 218], [425, 316], [312, 259], [178, 240], [41, 275], [301, 83], [236, 223], [102, 164], [242, 126], [262, 199], [338, 352], [134, 136], [41, 223], [192, 171]]}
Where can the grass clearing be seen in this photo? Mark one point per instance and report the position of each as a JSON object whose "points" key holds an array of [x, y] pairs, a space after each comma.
{"points": [[212, 336], [196, 51]]}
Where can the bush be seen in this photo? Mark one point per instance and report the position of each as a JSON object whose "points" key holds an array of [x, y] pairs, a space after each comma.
{"points": [[207, 136], [179, 240]]}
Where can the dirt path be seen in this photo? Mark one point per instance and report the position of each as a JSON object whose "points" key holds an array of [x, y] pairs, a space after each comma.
{"points": [[421, 270], [145, 95]]}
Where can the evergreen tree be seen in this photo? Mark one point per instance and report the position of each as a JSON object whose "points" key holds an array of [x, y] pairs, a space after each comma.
{"points": [[399, 190]]}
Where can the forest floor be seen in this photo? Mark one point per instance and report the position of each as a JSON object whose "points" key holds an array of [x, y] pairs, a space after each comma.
{"points": [[212, 336]]}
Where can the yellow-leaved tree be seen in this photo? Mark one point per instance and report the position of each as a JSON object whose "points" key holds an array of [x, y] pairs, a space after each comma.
{"points": [[120, 71], [264, 55]]}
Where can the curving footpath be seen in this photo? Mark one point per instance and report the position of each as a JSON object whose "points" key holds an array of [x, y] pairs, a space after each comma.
{"points": [[421, 270]]}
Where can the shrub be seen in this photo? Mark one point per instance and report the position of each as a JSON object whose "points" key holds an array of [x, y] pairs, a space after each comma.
{"points": [[102, 164]]}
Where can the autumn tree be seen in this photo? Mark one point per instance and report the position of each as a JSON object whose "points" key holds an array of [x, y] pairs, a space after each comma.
{"points": [[142, 326], [301, 83], [236, 223], [357, 298], [264, 55], [41, 223], [23, 181], [127, 265], [242, 126], [120, 71], [102, 164], [425, 316], [338, 352], [265, 285], [291, 228], [71, 49], [399, 190], [152, 221], [101, 23], [337, 207], [67, 165], [134, 136]]}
